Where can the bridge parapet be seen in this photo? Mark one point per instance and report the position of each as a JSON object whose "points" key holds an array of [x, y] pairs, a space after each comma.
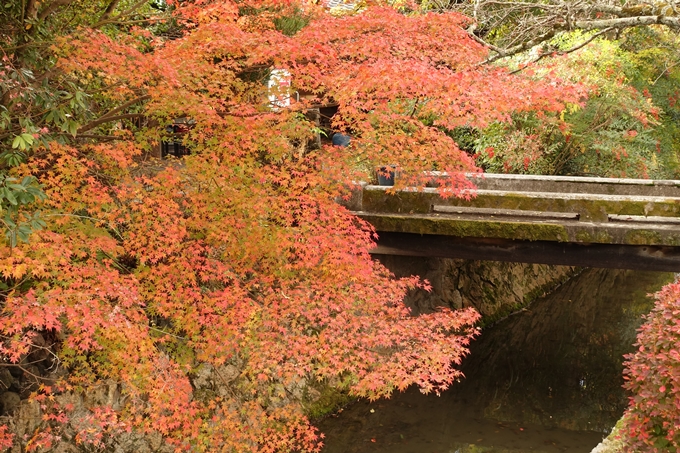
{"points": [[534, 208], [577, 184]]}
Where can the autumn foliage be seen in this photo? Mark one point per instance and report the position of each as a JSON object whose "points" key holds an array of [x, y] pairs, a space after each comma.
{"points": [[236, 257], [653, 417]]}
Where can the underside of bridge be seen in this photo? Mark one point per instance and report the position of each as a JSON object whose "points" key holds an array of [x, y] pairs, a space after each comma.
{"points": [[615, 256]]}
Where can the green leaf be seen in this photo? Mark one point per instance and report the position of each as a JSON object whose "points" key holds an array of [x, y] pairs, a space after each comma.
{"points": [[24, 231], [37, 193], [10, 196], [28, 138], [13, 158], [23, 141], [25, 198], [38, 224], [9, 222], [18, 142], [72, 127]]}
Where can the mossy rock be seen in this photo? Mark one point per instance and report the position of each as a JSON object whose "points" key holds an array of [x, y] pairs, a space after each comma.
{"points": [[323, 399]]}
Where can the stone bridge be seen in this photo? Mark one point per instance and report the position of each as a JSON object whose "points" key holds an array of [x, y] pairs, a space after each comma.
{"points": [[578, 221]]}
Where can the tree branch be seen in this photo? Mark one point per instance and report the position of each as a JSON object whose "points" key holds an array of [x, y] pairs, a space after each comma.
{"points": [[521, 25], [525, 5], [108, 119], [30, 10], [564, 52], [49, 9], [120, 16], [109, 9], [521, 47], [104, 138], [627, 22], [111, 114], [126, 105]]}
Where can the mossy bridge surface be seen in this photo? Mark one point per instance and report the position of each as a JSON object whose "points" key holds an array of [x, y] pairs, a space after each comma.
{"points": [[594, 222]]}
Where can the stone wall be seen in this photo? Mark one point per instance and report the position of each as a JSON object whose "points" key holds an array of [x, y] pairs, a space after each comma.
{"points": [[494, 288], [25, 417]]}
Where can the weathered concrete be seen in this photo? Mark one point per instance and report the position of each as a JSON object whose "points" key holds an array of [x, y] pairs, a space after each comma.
{"points": [[538, 230], [634, 214], [577, 184], [589, 207], [528, 207]]}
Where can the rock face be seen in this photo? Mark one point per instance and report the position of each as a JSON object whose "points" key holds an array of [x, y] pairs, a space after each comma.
{"points": [[6, 379], [612, 443], [25, 416], [494, 288], [9, 402]]}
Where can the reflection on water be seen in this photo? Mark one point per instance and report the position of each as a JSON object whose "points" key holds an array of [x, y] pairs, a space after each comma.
{"points": [[547, 379]]}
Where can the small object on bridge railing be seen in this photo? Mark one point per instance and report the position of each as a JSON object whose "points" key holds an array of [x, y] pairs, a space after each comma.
{"points": [[386, 175]]}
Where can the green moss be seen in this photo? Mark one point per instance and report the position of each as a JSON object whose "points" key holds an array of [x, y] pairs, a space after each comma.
{"points": [[205, 395], [410, 212], [502, 313], [399, 202], [470, 228], [527, 300], [327, 400], [597, 237], [589, 210], [489, 295], [643, 237], [616, 440], [594, 210]]}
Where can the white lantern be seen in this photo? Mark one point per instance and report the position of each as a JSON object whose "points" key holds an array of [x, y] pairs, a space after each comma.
{"points": [[279, 87]]}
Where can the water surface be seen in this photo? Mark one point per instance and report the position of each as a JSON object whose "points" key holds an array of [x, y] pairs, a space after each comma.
{"points": [[547, 379]]}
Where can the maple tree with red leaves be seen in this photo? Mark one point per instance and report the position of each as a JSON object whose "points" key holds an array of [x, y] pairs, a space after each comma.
{"points": [[236, 257]]}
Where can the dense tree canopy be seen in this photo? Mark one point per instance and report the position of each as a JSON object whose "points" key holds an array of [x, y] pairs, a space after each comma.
{"points": [[626, 128], [140, 273], [623, 51]]}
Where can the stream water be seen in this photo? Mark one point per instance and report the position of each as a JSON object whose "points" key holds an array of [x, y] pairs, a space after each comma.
{"points": [[547, 379]]}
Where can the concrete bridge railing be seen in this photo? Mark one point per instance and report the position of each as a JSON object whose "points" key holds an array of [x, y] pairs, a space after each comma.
{"points": [[535, 209]]}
